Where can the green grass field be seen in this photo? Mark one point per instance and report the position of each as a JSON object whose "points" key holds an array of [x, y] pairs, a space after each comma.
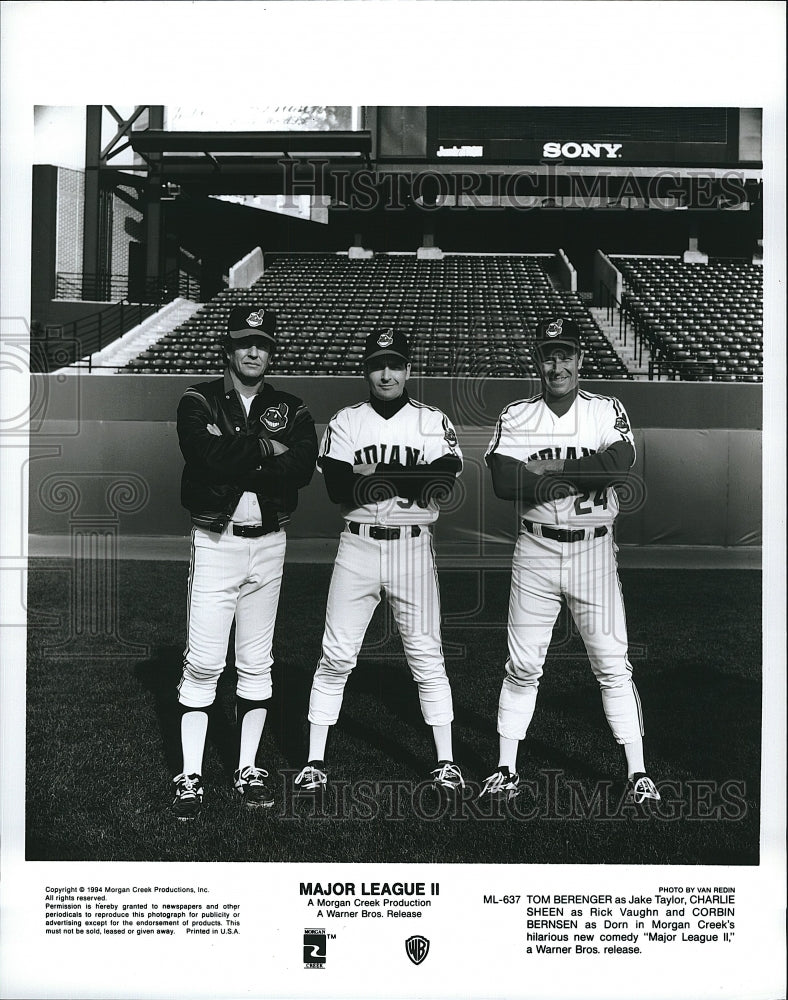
{"points": [[102, 746]]}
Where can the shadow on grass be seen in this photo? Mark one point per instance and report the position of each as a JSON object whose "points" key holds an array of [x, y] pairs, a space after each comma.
{"points": [[159, 676]]}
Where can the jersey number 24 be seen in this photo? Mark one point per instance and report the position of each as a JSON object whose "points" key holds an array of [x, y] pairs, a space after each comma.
{"points": [[585, 505]]}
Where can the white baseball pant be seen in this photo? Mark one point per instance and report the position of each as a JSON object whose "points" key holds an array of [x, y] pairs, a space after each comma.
{"points": [[404, 569], [231, 577], [585, 574]]}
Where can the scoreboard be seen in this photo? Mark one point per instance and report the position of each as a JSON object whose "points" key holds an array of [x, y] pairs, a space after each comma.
{"points": [[623, 136]]}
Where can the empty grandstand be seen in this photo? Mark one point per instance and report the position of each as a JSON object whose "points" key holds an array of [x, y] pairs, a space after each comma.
{"points": [[697, 321], [466, 315]]}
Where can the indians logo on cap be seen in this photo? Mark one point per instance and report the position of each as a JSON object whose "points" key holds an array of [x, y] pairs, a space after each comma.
{"points": [[386, 339], [554, 330], [255, 318], [275, 417]]}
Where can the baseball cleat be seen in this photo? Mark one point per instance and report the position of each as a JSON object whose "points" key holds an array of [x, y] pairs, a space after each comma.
{"points": [[501, 785], [640, 788], [447, 775], [188, 796], [251, 785], [312, 778]]}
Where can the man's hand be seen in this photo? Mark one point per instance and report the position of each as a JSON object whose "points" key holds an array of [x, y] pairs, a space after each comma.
{"points": [[213, 429], [365, 470], [539, 466]]}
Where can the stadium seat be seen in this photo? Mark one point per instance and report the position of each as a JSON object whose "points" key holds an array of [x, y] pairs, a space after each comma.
{"points": [[462, 313], [668, 295]]}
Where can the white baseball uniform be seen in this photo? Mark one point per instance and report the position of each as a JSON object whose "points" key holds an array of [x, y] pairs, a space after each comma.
{"points": [[565, 551], [386, 546]]}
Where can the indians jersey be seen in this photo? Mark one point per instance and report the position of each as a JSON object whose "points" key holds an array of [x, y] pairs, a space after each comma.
{"points": [[528, 430], [415, 436]]}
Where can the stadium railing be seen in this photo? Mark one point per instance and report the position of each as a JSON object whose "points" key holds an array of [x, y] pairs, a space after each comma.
{"points": [[85, 337], [88, 287]]}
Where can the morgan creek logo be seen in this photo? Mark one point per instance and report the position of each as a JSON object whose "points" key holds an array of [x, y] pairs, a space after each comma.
{"points": [[314, 948], [417, 948]]}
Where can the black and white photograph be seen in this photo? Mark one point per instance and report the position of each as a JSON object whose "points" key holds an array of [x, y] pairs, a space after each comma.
{"points": [[393, 547]]}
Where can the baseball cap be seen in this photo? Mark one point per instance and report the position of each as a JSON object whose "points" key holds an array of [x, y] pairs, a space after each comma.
{"points": [[247, 322], [557, 331], [389, 343]]}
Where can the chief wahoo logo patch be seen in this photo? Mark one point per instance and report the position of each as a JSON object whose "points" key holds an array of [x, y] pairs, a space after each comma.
{"points": [[622, 425], [275, 417]]}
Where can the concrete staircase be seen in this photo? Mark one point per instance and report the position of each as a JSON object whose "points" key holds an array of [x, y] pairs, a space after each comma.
{"points": [[141, 337], [625, 350]]}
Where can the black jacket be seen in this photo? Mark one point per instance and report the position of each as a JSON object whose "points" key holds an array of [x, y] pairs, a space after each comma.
{"points": [[220, 468]]}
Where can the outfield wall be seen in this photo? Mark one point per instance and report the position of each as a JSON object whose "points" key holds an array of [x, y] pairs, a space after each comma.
{"points": [[104, 456]]}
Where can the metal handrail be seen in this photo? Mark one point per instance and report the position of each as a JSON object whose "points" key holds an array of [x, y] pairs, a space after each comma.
{"points": [[116, 287], [93, 333], [91, 287]]}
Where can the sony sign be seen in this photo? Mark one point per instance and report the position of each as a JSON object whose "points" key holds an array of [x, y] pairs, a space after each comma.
{"points": [[581, 150]]}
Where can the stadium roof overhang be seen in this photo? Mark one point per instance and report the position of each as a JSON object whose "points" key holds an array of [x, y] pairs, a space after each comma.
{"points": [[216, 158], [341, 166]]}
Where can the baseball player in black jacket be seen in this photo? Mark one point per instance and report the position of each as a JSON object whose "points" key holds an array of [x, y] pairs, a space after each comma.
{"points": [[249, 448]]}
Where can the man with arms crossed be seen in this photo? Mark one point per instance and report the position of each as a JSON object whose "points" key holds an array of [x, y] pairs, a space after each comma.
{"points": [[387, 462], [249, 448], [557, 456]]}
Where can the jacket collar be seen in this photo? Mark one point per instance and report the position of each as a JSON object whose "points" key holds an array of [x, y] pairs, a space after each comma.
{"points": [[229, 387]]}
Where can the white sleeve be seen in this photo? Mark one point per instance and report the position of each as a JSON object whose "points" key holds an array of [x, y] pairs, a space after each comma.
{"points": [[441, 438], [337, 442], [614, 425], [505, 439]]}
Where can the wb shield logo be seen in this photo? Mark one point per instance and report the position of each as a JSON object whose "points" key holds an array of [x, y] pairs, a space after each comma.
{"points": [[314, 948], [417, 948]]}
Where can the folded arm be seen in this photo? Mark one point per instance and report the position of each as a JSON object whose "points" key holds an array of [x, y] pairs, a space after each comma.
{"points": [[603, 468], [347, 486], [223, 458]]}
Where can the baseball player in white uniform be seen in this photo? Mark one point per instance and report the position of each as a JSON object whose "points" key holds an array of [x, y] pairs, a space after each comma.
{"points": [[557, 455], [388, 462], [248, 448]]}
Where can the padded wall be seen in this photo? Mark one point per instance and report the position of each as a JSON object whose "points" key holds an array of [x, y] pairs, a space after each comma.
{"points": [[104, 452]]}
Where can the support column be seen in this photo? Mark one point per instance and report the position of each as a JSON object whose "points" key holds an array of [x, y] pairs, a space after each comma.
{"points": [[153, 240], [153, 211], [91, 212]]}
